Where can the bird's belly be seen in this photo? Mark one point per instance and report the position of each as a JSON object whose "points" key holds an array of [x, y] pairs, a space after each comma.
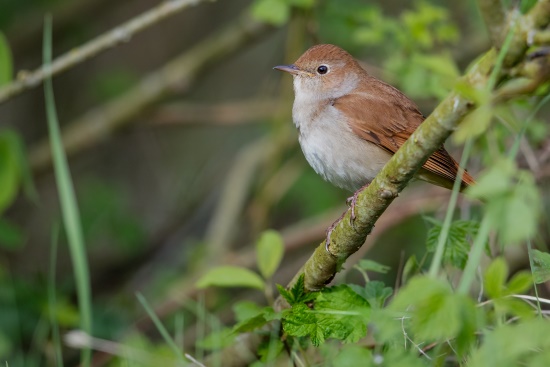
{"points": [[341, 157]]}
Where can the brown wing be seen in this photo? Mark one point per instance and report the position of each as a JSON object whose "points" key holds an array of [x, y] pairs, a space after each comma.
{"points": [[387, 118]]}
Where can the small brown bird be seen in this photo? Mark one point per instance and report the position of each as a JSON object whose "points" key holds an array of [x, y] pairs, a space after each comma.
{"points": [[350, 123]]}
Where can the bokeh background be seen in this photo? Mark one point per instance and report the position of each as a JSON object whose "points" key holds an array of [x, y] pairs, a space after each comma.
{"points": [[172, 185]]}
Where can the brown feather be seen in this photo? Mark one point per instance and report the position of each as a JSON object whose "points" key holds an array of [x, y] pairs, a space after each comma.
{"points": [[382, 115]]}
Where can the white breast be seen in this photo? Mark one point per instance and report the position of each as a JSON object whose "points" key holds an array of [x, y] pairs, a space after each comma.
{"points": [[332, 149]]}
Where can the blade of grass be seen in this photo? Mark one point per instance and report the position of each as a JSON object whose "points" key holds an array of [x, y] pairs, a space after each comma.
{"points": [[160, 327], [444, 234], [58, 355], [67, 198]]}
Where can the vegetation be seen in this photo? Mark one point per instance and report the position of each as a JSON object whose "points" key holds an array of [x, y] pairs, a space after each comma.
{"points": [[146, 257]]}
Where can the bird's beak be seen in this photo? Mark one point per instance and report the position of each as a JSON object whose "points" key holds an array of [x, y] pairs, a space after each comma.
{"points": [[292, 69]]}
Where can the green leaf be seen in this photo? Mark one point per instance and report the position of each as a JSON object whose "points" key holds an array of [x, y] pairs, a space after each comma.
{"points": [[297, 293], [457, 248], [230, 276], [541, 266], [244, 310], [338, 312], [514, 307], [436, 313], [269, 251], [218, 339], [375, 292], [513, 203], [474, 124], [11, 236], [520, 283], [6, 61], [513, 345], [410, 269], [495, 278], [275, 12], [350, 355], [370, 265], [254, 322], [9, 168]]}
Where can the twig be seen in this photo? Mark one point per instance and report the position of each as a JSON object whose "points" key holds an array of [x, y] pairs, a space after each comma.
{"points": [[373, 201], [494, 16], [179, 73], [227, 113], [112, 38]]}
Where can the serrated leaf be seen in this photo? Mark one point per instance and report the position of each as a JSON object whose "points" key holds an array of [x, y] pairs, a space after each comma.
{"points": [[269, 252], [457, 247], [375, 292], [6, 61], [541, 266], [338, 312], [495, 278], [370, 265], [230, 276], [275, 12], [297, 293]]}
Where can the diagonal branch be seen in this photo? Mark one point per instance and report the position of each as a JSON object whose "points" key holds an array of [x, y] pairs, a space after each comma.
{"points": [[122, 33], [431, 134]]}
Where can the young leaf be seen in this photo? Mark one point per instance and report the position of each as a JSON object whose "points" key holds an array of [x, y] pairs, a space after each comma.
{"points": [[297, 294], [495, 278], [269, 252], [541, 266], [230, 276], [520, 283]]}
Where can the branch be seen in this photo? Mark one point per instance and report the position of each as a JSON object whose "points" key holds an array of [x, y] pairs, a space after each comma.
{"points": [[178, 74], [494, 17], [430, 135], [112, 38]]}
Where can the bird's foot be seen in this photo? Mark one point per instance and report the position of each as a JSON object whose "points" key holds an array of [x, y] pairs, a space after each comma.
{"points": [[330, 229], [351, 201]]}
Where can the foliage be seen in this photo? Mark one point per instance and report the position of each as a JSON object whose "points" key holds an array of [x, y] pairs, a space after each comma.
{"points": [[495, 318]]}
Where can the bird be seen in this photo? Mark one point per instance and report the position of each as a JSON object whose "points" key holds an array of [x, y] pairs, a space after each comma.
{"points": [[350, 123]]}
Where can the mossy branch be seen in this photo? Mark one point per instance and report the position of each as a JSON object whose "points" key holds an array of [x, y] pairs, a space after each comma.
{"points": [[432, 133]]}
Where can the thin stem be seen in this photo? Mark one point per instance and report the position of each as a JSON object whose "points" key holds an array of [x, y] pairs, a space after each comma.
{"points": [[444, 234], [67, 198], [475, 257]]}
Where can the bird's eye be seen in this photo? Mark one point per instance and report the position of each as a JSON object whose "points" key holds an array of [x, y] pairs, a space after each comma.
{"points": [[322, 69]]}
